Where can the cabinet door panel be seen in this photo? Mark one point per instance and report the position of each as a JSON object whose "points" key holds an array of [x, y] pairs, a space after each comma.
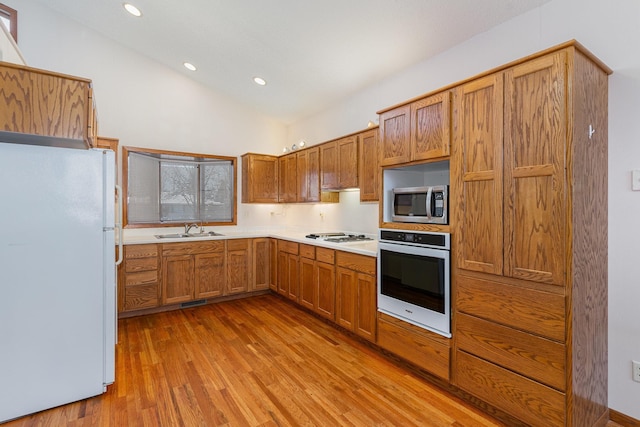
{"points": [[273, 268], [527, 400], [369, 166], [313, 175], [329, 166], [307, 283], [346, 292], [259, 178], [177, 279], [261, 264], [293, 270], [395, 136], [534, 163], [430, 123], [348, 162], [537, 312], [540, 359], [326, 290], [238, 266], [366, 306], [209, 275], [283, 272], [478, 154]]}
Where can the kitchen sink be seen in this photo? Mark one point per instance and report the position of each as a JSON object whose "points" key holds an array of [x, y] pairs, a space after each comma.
{"points": [[183, 235]]}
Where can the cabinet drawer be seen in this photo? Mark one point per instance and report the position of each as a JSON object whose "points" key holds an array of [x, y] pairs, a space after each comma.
{"points": [[141, 264], [192, 248], [534, 357], [141, 296], [541, 313], [288, 247], [418, 346], [527, 400], [362, 263], [238, 244], [140, 251], [325, 255], [141, 277], [307, 251]]}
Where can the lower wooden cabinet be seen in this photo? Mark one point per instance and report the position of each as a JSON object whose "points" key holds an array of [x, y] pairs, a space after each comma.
{"points": [[317, 280], [192, 271], [154, 275], [139, 278], [288, 265], [239, 266], [261, 262], [356, 298], [419, 346]]}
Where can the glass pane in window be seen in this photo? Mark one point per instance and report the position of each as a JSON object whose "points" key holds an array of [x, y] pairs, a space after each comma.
{"points": [[178, 191], [6, 22], [143, 189], [217, 191]]}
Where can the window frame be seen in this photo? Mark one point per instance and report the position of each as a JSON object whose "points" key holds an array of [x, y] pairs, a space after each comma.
{"points": [[125, 185], [12, 16]]}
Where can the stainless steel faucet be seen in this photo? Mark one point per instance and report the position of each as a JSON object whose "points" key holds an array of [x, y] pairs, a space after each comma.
{"points": [[188, 228]]}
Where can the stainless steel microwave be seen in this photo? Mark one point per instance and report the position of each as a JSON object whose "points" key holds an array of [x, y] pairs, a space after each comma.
{"points": [[428, 205]]}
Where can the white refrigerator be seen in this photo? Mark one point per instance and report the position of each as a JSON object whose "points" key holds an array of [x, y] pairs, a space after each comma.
{"points": [[57, 276]]}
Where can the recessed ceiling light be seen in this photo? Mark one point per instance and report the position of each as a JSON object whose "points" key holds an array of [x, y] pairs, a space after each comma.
{"points": [[132, 9], [260, 81], [189, 66]]}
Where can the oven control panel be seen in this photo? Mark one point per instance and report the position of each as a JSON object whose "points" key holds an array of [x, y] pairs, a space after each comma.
{"points": [[438, 240]]}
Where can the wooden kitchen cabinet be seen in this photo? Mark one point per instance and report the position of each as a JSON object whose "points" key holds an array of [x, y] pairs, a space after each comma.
{"points": [[308, 175], [138, 278], [273, 262], [261, 260], [528, 237], [356, 295], [259, 178], [239, 266], [44, 103], [288, 269], [416, 131], [369, 164], [317, 280], [288, 178], [192, 270], [339, 163]]}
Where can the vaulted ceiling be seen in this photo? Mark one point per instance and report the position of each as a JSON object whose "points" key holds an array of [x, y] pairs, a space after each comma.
{"points": [[311, 53]]}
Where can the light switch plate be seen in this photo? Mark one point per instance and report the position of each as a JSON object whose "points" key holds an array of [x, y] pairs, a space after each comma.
{"points": [[635, 180]]}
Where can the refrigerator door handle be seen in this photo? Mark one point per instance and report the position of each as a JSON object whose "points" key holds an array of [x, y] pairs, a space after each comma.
{"points": [[119, 225]]}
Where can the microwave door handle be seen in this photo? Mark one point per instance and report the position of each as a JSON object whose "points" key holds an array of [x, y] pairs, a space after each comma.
{"points": [[429, 191]]}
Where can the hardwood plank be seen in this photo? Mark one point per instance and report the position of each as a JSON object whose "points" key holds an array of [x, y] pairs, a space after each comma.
{"points": [[257, 362]]}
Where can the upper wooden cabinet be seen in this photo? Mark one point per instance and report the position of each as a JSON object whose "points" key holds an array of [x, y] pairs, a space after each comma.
{"points": [[259, 178], [416, 131], [529, 185], [308, 175], [511, 166], [369, 166], [288, 178], [339, 163], [47, 104]]}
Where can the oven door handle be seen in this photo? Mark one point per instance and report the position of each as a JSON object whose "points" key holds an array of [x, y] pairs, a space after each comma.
{"points": [[429, 193]]}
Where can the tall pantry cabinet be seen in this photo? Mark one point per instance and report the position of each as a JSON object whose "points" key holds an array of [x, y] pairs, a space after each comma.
{"points": [[529, 196]]}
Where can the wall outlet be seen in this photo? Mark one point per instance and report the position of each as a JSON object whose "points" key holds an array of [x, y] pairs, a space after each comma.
{"points": [[636, 370]]}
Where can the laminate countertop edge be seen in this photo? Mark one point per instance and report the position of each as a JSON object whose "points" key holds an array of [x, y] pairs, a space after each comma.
{"points": [[367, 248]]}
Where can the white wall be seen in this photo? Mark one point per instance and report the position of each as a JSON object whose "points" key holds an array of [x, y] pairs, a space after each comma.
{"points": [[145, 104], [611, 31]]}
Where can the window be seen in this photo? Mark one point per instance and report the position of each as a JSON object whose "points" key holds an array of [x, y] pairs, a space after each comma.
{"points": [[164, 188], [9, 18]]}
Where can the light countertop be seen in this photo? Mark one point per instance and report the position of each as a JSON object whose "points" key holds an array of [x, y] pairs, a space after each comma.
{"points": [[367, 247]]}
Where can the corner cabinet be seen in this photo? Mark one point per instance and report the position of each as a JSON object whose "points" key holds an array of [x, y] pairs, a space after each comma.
{"points": [[259, 178], [529, 185]]}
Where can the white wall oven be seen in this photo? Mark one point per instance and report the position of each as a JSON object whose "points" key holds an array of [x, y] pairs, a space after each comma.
{"points": [[414, 278]]}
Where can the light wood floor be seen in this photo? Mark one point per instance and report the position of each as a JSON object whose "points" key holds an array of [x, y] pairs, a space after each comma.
{"points": [[255, 362]]}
